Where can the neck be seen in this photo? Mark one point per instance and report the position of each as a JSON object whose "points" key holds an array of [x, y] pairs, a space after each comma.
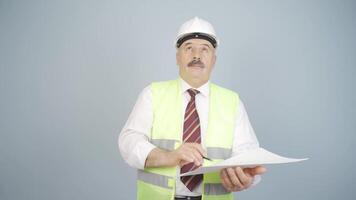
{"points": [[195, 83]]}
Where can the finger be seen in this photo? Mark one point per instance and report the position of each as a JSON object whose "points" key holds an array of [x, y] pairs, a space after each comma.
{"points": [[225, 185], [189, 154], [225, 179], [199, 148], [255, 171], [244, 178], [186, 157], [233, 178], [198, 159], [236, 188], [260, 170]]}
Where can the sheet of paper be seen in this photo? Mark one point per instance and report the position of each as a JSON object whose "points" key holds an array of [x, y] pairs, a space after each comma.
{"points": [[249, 158]]}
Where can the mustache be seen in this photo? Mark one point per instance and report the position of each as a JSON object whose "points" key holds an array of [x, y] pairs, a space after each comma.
{"points": [[196, 62]]}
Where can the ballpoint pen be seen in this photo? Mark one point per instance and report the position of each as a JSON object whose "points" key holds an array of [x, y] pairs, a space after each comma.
{"points": [[207, 158]]}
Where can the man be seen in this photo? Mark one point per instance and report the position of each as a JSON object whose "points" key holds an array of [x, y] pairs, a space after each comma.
{"points": [[178, 125]]}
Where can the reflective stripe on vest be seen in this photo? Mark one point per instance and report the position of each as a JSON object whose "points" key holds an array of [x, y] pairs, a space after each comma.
{"points": [[214, 189], [164, 143], [212, 152], [218, 153], [154, 179]]}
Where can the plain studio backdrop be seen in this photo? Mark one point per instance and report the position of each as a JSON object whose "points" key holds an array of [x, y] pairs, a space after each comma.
{"points": [[71, 72]]}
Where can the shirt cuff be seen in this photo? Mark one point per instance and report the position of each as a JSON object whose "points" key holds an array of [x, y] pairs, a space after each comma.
{"points": [[256, 180], [143, 149]]}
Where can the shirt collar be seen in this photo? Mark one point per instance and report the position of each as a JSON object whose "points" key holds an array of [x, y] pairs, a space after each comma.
{"points": [[204, 89]]}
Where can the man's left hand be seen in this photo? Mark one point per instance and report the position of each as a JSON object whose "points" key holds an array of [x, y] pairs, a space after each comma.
{"points": [[237, 179]]}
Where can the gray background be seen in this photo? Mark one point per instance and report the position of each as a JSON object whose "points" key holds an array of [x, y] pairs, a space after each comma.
{"points": [[71, 72]]}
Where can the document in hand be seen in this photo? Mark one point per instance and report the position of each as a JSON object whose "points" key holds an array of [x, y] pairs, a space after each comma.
{"points": [[248, 158]]}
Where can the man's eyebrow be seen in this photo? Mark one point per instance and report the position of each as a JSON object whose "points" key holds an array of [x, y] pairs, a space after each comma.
{"points": [[207, 45], [188, 43]]}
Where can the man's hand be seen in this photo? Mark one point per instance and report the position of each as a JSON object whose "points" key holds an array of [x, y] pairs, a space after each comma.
{"points": [[186, 153], [237, 179]]}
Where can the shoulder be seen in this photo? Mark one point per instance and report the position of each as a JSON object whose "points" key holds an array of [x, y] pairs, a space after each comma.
{"points": [[161, 86], [223, 91], [163, 83]]}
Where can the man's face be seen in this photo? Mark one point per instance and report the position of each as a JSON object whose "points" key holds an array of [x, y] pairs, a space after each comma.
{"points": [[196, 59]]}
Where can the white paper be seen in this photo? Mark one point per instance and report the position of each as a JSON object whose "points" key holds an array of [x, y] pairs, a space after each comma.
{"points": [[249, 158]]}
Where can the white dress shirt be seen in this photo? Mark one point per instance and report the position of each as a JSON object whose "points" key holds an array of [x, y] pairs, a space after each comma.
{"points": [[134, 142]]}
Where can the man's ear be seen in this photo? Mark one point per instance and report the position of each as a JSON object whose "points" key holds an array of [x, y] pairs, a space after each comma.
{"points": [[177, 57], [214, 60]]}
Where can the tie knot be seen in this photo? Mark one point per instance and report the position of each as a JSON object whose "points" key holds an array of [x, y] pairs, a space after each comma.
{"points": [[193, 92]]}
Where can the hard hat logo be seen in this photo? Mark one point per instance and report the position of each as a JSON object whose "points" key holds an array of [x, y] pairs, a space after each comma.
{"points": [[196, 28]]}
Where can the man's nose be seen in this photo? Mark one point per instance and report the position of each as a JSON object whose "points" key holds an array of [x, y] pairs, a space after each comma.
{"points": [[196, 55]]}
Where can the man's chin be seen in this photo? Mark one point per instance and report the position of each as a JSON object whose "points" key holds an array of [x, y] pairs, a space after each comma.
{"points": [[196, 74]]}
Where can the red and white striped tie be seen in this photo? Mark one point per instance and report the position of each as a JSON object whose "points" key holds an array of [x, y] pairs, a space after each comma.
{"points": [[191, 133]]}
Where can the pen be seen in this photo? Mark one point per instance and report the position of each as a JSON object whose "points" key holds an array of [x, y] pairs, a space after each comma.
{"points": [[207, 158]]}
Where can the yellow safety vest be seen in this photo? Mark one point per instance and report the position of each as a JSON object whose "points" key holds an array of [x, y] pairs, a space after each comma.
{"points": [[166, 133]]}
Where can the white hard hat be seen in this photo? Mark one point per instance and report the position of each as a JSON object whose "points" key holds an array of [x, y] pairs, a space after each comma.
{"points": [[196, 28]]}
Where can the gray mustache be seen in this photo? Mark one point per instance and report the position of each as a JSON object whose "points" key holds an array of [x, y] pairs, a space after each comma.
{"points": [[195, 62]]}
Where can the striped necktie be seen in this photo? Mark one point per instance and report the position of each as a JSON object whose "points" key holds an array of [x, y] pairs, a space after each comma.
{"points": [[191, 134]]}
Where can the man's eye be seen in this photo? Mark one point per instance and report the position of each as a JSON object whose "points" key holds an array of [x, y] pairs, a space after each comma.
{"points": [[188, 48]]}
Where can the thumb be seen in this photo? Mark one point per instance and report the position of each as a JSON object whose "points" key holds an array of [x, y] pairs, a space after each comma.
{"points": [[256, 170]]}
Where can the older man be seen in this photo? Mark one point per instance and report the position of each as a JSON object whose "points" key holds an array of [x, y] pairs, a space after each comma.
{"points": [[178, 125]]}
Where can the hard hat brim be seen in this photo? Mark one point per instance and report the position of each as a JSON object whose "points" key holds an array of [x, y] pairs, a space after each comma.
{"points": [[196, 35]]}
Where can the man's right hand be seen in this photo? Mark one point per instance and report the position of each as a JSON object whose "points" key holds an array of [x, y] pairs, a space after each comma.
{"points": [[186, 153]]}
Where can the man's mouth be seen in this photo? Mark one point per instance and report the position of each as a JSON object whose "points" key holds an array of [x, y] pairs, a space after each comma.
{"points": [[196, 65]]}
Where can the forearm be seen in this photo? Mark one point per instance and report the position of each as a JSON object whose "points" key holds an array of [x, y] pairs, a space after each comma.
{"points": [[134, 148], [160, 158]]}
